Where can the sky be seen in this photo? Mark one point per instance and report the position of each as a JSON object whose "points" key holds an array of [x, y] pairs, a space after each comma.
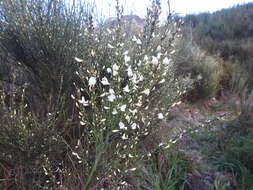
{"points": [[138, 7]]}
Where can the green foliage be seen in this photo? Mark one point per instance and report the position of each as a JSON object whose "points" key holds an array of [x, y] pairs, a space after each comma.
{"points": [[167, 169], [205, 70], [229, 149], [236, 157], [42, 37]]}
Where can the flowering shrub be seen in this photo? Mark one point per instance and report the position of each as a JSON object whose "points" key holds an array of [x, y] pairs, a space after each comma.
{"points": [[128, 86]]}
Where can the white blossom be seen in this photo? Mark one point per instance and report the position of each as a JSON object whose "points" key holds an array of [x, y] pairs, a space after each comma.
{"points": [[159, 55], [123, 108], [111, 97], [73, 97], [124, 137], [114, 112], [146, 58], [105, 81], [128, 118], [160, 116], [115, 69], [82, 123], [162, 81], [166, 61], [159, 48], [92, 53], [172, 52], [127, 58], [110, 46], [83, 101], [78, 60], [92, 81], [109, 70], [154, 60], [138, 41], [122, 126], [199, 77], [111, 91], [126, 89], [134, 126], [129, 72], [75, 154], [147, 92], [141, 78], [133, 111]]}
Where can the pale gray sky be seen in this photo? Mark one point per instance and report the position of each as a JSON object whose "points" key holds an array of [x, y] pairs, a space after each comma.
{"points": [[179, 6]]}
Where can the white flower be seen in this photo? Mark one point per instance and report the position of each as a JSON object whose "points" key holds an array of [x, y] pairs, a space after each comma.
{"points": [[109, 70], [126, 89], [141, 78], [133, 111], [110, 46], [92, 53], [124, 137], [73, 97], [145, 58], [147, 92], [154, 60], [166, 61], [128, 118], [162, 81], [78, 60], [127, 58], [114, 112], [123, 107], [122, 126], [109, 31], [125, 53], [138, 41], [134, 126], [159, 48], [83, 101], [168, 146], [105, 81], [160, 116], [159, 55], [75, 154], [111, 91], [111, 97], [172, 52], [92, 81], [115, 69], [129, 72], [82, 123], [199, 77]]}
